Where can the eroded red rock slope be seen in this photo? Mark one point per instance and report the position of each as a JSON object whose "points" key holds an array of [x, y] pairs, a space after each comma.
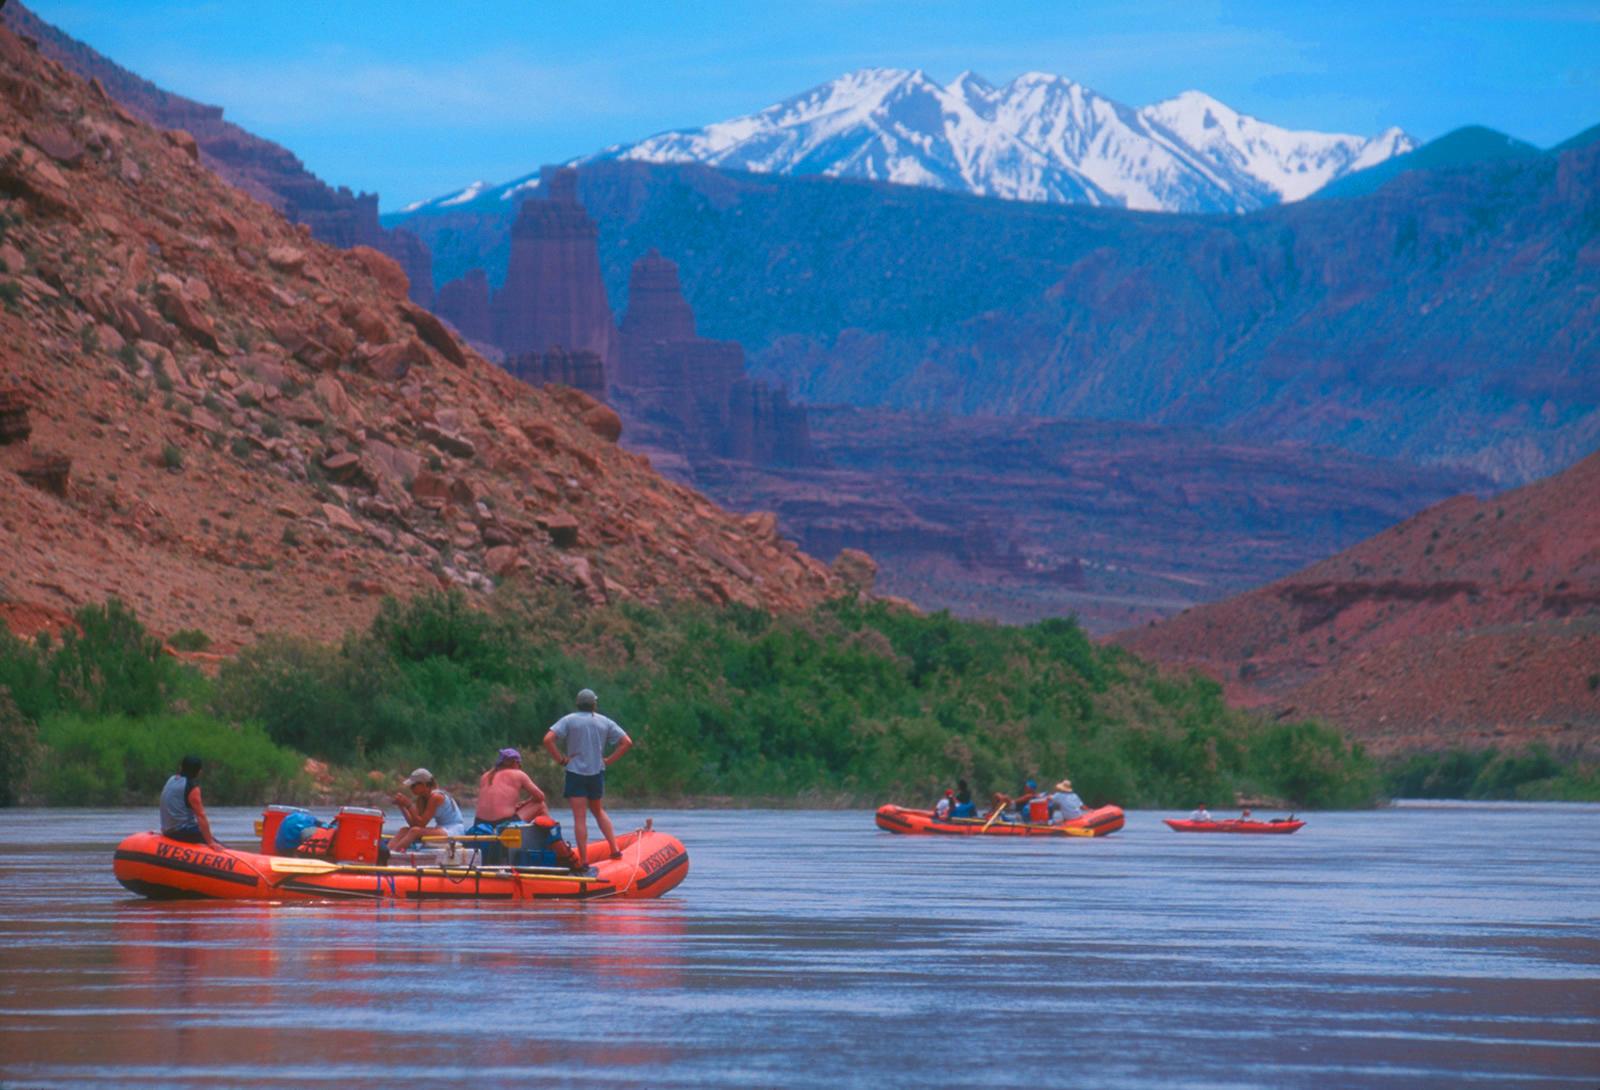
{"points": [[264, 434], [1476, 622]]}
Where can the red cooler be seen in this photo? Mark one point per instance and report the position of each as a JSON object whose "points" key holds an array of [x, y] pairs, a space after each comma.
{"points": [[271, 818], [1039, 811], [356, 837]]}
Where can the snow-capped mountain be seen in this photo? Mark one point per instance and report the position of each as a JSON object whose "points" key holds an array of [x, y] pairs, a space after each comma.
{"points": [[1038, 138]]}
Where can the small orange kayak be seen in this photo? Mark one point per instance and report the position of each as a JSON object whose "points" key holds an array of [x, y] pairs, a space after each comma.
{"points": [[898, 819], [1281, 826], [153, 866]]}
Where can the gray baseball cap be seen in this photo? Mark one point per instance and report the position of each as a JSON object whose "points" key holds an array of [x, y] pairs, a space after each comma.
{"points": [[586, 698]]}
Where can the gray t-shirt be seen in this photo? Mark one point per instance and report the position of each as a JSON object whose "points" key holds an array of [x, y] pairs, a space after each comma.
{"points": [[1067, 804], [586, 736], [176, 813]]}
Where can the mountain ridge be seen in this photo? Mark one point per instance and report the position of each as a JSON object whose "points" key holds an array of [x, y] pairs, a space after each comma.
{"points": [[1449, 318], [1039, 137]]}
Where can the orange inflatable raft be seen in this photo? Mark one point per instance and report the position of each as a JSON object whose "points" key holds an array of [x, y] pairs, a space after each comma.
{"points": [[153, 866], [898, 819]]}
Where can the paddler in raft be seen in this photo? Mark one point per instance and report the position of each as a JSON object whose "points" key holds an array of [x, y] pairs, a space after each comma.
{"points": [[1022, 803], [426, 804], [1065, 805], [964, 807], [501, 791], [183, 815], [586, 734]]}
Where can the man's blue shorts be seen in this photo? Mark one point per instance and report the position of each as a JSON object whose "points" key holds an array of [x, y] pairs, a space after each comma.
{"points": [[580, 786]]}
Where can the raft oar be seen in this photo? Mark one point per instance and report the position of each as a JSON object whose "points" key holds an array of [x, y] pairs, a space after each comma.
{"points": [[997, 812]]}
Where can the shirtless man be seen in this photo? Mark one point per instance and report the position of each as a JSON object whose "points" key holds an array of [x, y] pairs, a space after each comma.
{"points": [[501, 792]]}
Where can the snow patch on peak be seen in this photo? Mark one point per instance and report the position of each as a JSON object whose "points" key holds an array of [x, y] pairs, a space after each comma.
{"points": [[1039, 137], [468, 194]]}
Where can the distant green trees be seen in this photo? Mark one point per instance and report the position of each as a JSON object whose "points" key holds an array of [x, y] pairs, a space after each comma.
{"points": [[847, 702]]}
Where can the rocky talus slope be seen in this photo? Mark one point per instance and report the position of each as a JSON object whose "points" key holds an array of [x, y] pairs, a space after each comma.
{"points": [[1475, 622], [237, 428], [269, 172]]}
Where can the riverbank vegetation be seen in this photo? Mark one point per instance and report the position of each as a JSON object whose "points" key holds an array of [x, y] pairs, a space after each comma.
{"points": [[849, 702]]}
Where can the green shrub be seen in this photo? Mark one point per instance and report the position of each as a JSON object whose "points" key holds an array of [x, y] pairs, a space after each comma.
{"points": [[19, 749], [301, 694], [172, 456], [123, 760], [1531, 773], [189, 639]]}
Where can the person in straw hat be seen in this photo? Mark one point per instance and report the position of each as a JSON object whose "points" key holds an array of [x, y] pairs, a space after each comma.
{"points": [[1065, 805]]}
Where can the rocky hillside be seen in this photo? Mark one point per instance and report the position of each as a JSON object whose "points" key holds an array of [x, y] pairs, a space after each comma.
{"points": [[267, 171], [1452, 316], [1476, 621], [238, 428]]}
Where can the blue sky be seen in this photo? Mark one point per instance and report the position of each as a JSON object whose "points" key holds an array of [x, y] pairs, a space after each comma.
{"points": [[417, 99]]}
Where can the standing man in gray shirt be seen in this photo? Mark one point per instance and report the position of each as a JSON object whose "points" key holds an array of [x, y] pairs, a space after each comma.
{"points": [[586, 734]]}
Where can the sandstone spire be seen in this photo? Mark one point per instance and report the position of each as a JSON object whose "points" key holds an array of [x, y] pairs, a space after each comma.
{"points": [[553, 295]]}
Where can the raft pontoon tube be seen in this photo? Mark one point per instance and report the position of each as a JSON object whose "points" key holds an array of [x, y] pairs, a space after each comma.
{"points": [[898, 819], [153, 866], [1281, 826]]}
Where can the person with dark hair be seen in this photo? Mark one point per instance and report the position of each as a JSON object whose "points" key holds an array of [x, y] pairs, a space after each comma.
{"points": [[586, 734], [501, 791], [183, 815], [964, 806]]}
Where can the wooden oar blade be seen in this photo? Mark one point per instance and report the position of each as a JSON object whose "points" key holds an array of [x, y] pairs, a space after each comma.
{"points": [[289, 865]]}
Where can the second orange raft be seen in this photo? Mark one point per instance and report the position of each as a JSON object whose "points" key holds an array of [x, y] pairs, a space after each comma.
{"points": [[898, 819]]}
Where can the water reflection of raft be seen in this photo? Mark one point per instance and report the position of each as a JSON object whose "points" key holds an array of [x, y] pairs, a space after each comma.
{"points": [[151, 865], [898, 819], [1281, 826]]}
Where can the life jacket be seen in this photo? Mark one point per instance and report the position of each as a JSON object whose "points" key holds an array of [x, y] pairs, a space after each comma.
{"points": [[318, 843]]}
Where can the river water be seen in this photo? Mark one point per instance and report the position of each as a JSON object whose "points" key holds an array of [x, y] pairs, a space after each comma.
{"points": [[1419, 946]]}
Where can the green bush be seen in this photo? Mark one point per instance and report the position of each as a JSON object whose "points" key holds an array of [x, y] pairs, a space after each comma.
{"points": [[19, 749], [107, 665], [1532, 773], [189, 639], [123, 761]]}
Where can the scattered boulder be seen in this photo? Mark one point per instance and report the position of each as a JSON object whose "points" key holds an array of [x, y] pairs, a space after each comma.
{"points": [[430, 489], [502, 560], [14, 425], [340, 519], [182, 311], [604, 422], [385, 270], [856, 570], [395, 464], [435, 333], [48, 473], [344, 467], [562, 528], [393, 361], [448, 441], [56, 143], [288, 259], [184, 141]]}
